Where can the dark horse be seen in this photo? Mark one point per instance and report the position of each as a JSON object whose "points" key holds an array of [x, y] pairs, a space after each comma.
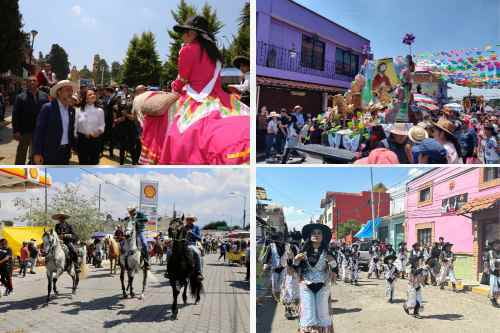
{"points": [[180, 266]]}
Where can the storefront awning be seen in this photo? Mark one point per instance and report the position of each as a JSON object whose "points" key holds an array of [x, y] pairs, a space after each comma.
{"points": [[485, 202], [22, 179], [267, 81]]}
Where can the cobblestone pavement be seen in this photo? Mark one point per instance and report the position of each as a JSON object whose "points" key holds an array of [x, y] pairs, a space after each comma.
{"points": [[98, 306], [8, 147], [365, 309]]}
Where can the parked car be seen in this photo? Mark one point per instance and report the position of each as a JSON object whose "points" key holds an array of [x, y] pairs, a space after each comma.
{"points": [[364, 255]]}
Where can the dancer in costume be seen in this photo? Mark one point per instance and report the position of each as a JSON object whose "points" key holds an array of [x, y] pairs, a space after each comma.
{"points": [[391, 274], [402, 259], [205, 125], [416, 280], [447, 259], [290, 288], [314, 265], [494, 270], [275, 262], [344, 262], [374, 252], [354, 263]]}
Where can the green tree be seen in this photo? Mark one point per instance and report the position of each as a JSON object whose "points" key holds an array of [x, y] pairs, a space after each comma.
{"points": [[102, 67], [350, 226], [58, 59], [12, 39], [380, 187], [85, 217], [116, 72], [241, 43], [142, 64], [180, 15], [217, 225], [85, 73], [7, 223]]}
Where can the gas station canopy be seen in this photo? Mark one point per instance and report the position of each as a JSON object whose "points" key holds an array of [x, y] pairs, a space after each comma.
{"points": [[22, 179]]}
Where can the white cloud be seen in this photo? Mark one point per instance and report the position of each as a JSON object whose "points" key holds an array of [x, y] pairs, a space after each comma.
{"points": [[89, 21], [296, 218], [76, 10], [204, 193]]}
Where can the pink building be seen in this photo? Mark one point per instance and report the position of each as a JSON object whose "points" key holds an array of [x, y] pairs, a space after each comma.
{"points": [[435, 204]]}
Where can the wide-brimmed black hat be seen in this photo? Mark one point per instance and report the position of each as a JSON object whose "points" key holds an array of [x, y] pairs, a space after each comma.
{"points": [[389, 257], [240, 60], [198, 24], [308, 228]]}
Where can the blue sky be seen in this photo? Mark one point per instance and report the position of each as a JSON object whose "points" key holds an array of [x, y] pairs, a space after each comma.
{"points": [[300, 190], [201, 191], [438, 25], [84, 28]]}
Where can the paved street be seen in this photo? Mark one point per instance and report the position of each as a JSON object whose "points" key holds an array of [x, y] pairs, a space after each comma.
{"points": [[98, 306], [365, 309], [8, 146]]}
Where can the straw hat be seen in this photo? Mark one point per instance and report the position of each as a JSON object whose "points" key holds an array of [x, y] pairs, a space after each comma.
{"points": [[190, 216], [445, 125], [131, 208], [59, 85], [59, 216], [399, 129], [417, 134]]}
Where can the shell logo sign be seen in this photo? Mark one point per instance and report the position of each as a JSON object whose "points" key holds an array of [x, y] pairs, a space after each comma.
{"points": [[33, 173], [149, 191]]}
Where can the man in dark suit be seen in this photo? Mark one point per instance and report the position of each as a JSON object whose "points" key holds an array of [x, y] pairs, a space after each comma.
{"points": [[55, 127], [111, 102], [26, 109]]}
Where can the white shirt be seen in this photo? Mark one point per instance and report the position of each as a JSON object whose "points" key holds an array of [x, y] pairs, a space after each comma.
{"points": [[490, 150], [272, 127], [90, 120], [65, 123]]}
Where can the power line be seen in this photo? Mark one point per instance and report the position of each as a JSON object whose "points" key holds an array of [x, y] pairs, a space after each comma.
{"points": [[110, 183]]}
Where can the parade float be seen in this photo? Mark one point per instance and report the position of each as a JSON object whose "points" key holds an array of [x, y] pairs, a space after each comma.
{"points": [[402, 90]]}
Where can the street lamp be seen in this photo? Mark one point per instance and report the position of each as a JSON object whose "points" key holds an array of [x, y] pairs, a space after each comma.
{"points": [[34, 33], [236, 194]]}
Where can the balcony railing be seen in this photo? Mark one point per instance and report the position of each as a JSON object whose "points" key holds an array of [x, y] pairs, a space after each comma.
{"points": [[272, 56]]}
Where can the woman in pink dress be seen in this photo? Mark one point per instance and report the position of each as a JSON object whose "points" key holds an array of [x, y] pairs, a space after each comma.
{"points": [[206, 125]]}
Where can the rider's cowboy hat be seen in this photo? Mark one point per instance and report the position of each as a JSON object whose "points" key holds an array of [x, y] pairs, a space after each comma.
{"points": [[238, 61], [198, 24], [445, 125], [325, 230], [59, 216], [417, 134], [59, 85], [131, 208], [190, 217]]}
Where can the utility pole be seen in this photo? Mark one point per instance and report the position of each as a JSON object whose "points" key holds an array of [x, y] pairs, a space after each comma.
{"points": [[373, 205]]}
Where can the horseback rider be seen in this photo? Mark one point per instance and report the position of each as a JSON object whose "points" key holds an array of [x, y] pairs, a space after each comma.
{"points": [[139, 219], [66, 233], [193, 236]]}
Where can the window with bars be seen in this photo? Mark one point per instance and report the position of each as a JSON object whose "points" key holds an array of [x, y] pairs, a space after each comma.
{"points": [[490, 174], [425, 195], [313, 53], [346, 63]]}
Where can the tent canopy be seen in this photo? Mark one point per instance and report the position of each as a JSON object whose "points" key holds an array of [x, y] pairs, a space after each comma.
{"points": [[366, 230], [17, 235]]}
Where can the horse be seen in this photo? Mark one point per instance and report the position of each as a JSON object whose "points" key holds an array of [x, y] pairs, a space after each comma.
{"points": [[113, 253], [158, 252], [56, 262], [180, 266], [130, 261]]}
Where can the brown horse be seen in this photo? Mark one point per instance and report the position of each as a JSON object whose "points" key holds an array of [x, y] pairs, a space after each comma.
{"points": [[113, 253]]}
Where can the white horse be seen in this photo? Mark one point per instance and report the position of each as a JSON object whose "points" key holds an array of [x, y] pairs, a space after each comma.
{"points": [[130, 261], [55, 262]]}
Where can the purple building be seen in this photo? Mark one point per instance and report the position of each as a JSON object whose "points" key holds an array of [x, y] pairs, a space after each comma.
{"points": [[303, 57]]}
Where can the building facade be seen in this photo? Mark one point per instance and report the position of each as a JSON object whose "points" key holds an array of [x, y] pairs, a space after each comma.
{"points": [[302, 57], [391, 229], [340, 207], [433, 205]]}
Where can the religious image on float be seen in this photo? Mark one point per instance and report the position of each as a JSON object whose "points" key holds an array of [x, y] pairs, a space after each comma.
{"points": [[326, 99], [128, 240], [189, 108], [341, 246]]}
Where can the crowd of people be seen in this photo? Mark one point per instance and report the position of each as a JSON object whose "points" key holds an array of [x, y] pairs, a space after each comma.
{"points": [[446, 137], [303, 270]]}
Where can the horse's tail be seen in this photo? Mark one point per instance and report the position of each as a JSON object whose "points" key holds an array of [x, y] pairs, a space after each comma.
{"points": [[195, 284]]}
